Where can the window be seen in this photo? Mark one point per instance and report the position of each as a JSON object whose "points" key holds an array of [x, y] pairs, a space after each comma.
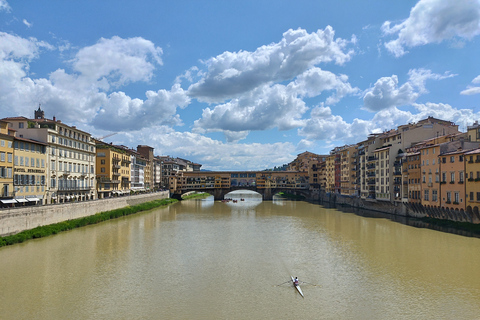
{"points": [[2, 156], [102, 169], [452, 158], [457, 197], [461, 178], [434, 194], [102, 161], [449, 197], [20, 125], [426, 195], [452, 176], [471, 196], [444, 177]]}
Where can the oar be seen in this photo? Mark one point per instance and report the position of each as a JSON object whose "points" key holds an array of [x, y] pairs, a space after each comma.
{"points": [[315, 285], [278, 285]]}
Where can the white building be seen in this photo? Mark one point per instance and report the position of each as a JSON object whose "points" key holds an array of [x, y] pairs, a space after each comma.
{"points": [[70, 156]]}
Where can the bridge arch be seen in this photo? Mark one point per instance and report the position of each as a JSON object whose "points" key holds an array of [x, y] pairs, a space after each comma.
{"points": [[243, 194]]}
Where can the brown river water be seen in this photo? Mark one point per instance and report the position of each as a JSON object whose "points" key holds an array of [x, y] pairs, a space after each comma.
{"points": [[200, 259]]}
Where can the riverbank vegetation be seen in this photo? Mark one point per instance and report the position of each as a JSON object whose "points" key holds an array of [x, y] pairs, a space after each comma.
{"points": [[45, 231], [197, 196]]}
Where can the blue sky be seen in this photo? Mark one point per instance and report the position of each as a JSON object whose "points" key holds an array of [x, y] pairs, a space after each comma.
{"points": [[240, 85]]}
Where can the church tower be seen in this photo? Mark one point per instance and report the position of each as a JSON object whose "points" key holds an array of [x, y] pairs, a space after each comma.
{"points": [[39, 114]]}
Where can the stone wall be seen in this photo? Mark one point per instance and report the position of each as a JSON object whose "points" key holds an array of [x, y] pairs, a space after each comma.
{"points": [[401, 209], [15, 220]]}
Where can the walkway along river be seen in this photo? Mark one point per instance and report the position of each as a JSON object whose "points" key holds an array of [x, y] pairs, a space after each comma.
{"points": [[200, 259]]}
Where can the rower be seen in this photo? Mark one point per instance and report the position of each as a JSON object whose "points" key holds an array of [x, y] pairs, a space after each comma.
{"points": [[295, 282]]}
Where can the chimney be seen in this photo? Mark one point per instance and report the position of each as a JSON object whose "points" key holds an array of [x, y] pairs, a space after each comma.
{"points": [[54, 119]]}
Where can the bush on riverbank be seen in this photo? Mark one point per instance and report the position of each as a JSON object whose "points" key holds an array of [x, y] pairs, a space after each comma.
{"points": [[197, 196], [44, 231]]}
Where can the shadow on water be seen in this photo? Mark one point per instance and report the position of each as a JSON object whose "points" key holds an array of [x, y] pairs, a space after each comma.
{"points": [[437, 225]]}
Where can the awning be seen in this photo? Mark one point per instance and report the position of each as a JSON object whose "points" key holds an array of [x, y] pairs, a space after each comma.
{"points": [[21, 200], [33, 199], [8, 201]]}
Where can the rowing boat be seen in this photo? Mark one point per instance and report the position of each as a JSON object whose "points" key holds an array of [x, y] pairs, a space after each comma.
{"points": [[297, 287]]}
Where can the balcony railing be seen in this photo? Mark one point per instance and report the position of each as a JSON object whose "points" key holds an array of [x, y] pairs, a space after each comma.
{"points": [[75, 188]]}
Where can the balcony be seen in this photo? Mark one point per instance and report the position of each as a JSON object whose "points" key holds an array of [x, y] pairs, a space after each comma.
{"points": [[75, 188], [116, 166]]}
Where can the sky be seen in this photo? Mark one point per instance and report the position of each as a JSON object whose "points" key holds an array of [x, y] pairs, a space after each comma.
{"points": [[240, 85]]}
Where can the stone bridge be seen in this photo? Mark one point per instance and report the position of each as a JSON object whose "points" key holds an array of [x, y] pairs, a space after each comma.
{"points": [[267, 193], [219, 183]]}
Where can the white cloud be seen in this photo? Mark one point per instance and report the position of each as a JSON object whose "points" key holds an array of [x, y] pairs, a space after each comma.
{"points": [[81, 97], [234, 73], [323, 125], [314, 81], [119, 112], [28, 24], [16, 89], [262, 109], [120, 61], [471, 89], [204, 150], [386, 93], [434, 21], [278, 105], [445, 112], [4, 6]]}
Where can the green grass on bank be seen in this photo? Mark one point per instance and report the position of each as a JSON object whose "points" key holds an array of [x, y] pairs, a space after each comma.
{"points": [[197, 196], [45, 231]]}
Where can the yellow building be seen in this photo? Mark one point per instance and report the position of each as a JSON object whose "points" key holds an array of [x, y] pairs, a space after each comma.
{"points": [[6, 165], [330, 173], [472, 185], [30, 172], [112, 170]]}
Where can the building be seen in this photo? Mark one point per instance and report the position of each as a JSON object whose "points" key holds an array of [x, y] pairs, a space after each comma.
{"points": [[112, 170], [472, 187], [6, 164], [147, 154], [138, 167], [70, 156], [30, 171]]}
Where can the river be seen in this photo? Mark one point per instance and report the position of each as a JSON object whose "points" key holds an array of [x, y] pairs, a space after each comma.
{"points": [[200, 259]]}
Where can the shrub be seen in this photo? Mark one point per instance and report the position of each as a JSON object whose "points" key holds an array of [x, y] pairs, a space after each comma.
{"points": [[48, 230]]}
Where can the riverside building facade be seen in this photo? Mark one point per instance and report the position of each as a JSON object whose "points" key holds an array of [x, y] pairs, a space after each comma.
{"points": [[30, 171], [70, 156], [112, 170], [6, 164]]}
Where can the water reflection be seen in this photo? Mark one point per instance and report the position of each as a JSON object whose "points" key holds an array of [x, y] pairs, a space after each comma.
{"points": [[403, 220], [196, 260]]}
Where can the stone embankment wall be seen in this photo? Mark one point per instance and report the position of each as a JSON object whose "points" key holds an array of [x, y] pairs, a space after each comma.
{"points": [[400, 208], [15, 220]]}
